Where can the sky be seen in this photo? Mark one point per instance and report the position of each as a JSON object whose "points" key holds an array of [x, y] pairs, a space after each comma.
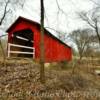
{"points": [[63, 22]]}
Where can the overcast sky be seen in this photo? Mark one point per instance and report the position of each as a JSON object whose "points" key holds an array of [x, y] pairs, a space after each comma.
{"points": [[65, 23]]}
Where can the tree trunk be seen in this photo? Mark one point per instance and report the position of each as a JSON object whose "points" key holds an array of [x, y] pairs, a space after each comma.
{"points": [[81, 56], [42, 58], [4, 56], [97, 32]]}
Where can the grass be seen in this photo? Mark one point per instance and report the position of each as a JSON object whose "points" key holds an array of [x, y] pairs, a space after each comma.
{"points": [[19, 80]]}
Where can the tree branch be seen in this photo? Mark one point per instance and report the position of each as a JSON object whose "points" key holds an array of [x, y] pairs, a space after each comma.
{"points": [[5, 12]]}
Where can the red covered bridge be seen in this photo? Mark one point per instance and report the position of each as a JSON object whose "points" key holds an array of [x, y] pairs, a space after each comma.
{"points": [[24, 41]]}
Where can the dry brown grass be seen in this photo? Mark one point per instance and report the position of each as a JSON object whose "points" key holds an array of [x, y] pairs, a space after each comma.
{"points": [[19, 80]]}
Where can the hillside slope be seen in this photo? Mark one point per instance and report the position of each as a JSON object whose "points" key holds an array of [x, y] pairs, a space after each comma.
{"points": [[19, 80]]}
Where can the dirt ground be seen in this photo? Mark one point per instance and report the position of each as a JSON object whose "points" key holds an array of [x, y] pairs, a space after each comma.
{"points": [[19, 80]]}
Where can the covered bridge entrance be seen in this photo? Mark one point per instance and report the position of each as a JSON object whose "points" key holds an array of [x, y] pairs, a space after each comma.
{"points": [[22, 44]]}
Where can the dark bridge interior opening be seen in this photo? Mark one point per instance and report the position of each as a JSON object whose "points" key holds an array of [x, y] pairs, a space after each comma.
{"points": [[25, 38]]}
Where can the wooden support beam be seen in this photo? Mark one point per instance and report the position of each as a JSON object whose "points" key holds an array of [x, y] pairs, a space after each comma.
{"points": [[21, 46], [20, 52], [22, 38]]}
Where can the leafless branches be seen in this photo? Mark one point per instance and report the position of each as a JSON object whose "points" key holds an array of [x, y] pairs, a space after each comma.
{"points": [[92, 20], [5, 11], [60, 9], [7, 6], [62, 12], [82, 40], [95, 2]]}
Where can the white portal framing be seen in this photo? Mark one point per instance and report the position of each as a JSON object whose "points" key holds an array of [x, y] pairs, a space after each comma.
{"points": [[20, 52]]}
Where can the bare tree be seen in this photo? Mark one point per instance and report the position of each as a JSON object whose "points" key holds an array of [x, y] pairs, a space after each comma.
{"points": [[92, 19], [81, 39], [61, 35], [95, 2], [8, 6], [42, 57]]}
